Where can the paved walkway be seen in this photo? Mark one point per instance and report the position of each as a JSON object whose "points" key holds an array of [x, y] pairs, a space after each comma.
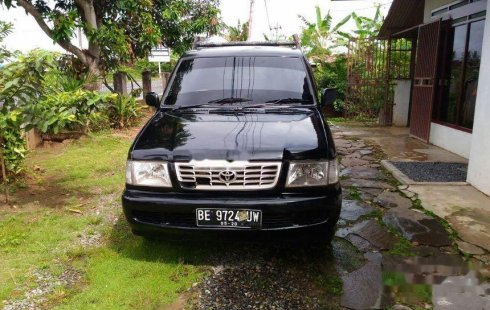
{"points": [[406, 247], [388, 253], [466, 209], [397, 145]]}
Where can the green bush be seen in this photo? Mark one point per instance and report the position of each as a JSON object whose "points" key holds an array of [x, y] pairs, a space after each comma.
{"points": [[122, 111], [21, 83], [12, 143], [65, 111], [34, 93], [333, 74]]}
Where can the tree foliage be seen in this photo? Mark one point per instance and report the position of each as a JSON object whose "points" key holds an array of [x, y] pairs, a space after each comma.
{"points": [[238, 33], [367, 27], [320, 37], [5, 30], [119, 31], [37, 91], [368, 62]]}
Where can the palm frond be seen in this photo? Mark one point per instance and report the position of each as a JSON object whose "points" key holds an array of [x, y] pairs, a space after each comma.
{"points": [[341, 23], [318, 12]]}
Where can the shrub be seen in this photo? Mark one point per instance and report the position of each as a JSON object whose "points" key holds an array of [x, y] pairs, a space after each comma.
{"points": [[122, 111], [21, 84], [65, 111], [333, 74], [34, 93], [12, 143]]}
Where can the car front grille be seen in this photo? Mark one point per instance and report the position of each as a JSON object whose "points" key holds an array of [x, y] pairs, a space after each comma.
{"points": [[224, 175]]}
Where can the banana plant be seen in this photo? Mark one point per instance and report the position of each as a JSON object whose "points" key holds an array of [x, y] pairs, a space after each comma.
{"points": [[320, 37], [238, 33], [367, 27]]}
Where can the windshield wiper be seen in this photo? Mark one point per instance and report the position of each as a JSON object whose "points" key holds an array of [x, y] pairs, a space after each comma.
{"points": [[190, 106], [230, 100], [288, 100], [218, 101]]}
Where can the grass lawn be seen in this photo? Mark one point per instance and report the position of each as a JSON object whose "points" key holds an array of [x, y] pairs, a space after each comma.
{"points": [[68, 224]]}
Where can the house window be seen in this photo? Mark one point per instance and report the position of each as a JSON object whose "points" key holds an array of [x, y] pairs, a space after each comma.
{"points": [[457, 105]]}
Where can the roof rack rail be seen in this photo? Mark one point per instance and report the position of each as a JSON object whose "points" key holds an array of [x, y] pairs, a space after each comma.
{"points": [[200, 42]]}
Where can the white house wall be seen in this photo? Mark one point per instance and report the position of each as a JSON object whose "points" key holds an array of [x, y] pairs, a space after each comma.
{"points": [[431, 5], [453, 140], [479, 166]]}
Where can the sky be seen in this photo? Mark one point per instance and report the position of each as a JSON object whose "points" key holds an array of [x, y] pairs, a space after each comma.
{"points": [[284, 13]]}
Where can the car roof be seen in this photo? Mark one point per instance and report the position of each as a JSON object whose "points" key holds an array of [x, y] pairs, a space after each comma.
{"points": [[230, 51]]}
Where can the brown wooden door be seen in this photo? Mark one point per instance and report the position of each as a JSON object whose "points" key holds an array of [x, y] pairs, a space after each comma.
{"points": [[425, 80]]}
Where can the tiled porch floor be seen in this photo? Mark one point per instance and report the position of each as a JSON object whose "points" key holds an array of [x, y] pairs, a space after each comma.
{"points": [[397, 144]]}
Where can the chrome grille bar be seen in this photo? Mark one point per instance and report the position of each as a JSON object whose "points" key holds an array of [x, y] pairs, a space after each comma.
{"points": [[224, 175]]}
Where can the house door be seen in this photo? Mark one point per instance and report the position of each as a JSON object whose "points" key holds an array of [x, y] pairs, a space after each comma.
{"points": [[425, 80]]}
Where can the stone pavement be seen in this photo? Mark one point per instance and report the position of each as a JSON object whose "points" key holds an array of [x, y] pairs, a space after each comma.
{"points": [[466, 209], [411, 258]]}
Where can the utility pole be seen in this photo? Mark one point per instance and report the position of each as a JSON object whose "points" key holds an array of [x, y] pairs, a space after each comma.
{"points": [[276, 29], [250, 18]]}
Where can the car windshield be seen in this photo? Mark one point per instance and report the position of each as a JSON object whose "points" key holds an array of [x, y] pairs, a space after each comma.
{"points": [[239, 80]]}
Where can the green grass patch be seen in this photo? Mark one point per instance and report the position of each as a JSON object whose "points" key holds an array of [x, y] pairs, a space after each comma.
{"points": [[33, 239], [353, 121], [337, 120], [402, 248], [407, 293], [94, 163], [132, 272], [376, 214], [330, 283], [354, 194], [121, 272]]}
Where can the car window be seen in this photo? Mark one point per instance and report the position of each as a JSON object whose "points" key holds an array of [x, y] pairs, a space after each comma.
{"points": [[259, 79]]}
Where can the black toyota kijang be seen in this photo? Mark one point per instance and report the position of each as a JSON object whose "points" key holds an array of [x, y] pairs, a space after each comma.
{"points": [[237, 143]]}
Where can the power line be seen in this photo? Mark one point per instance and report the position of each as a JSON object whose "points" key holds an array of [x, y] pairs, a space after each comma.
{"points": [[276, 28], [363, 9]]}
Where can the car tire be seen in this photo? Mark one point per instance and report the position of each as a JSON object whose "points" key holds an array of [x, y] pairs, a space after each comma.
{"points": [[324, 233]]}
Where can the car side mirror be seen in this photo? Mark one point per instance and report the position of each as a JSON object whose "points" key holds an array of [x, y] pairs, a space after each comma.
{"points": [[328, 96], [152, 99]]}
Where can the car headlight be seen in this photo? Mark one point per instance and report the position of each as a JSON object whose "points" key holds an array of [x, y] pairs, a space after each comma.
{"points": [[312, 173], [147, 173]]}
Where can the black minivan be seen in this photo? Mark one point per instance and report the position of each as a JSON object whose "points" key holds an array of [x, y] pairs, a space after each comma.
{"points": [[238, 142]]}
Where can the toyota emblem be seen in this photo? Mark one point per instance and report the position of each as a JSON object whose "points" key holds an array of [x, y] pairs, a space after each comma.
{"points": [[227, 176]]}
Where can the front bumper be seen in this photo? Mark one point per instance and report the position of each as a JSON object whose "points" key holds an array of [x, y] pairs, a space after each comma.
{"points": [[150, 212]]}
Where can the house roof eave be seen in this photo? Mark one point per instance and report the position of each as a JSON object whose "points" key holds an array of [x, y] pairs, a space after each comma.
{"points": [[402, 15]]}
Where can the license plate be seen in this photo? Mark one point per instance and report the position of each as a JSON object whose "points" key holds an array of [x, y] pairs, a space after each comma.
{"points": [[229, 218]]}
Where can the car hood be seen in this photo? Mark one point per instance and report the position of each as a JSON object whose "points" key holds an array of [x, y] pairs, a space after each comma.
{"points": [[182, 136]]}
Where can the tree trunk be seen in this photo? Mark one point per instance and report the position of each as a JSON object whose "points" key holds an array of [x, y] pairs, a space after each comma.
{"points": [[146, 76], [95, 73], [90, 57], [4, 173]]}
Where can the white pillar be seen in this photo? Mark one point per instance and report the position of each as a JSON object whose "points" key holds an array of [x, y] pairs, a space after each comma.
{"points": [[479, 165]]}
